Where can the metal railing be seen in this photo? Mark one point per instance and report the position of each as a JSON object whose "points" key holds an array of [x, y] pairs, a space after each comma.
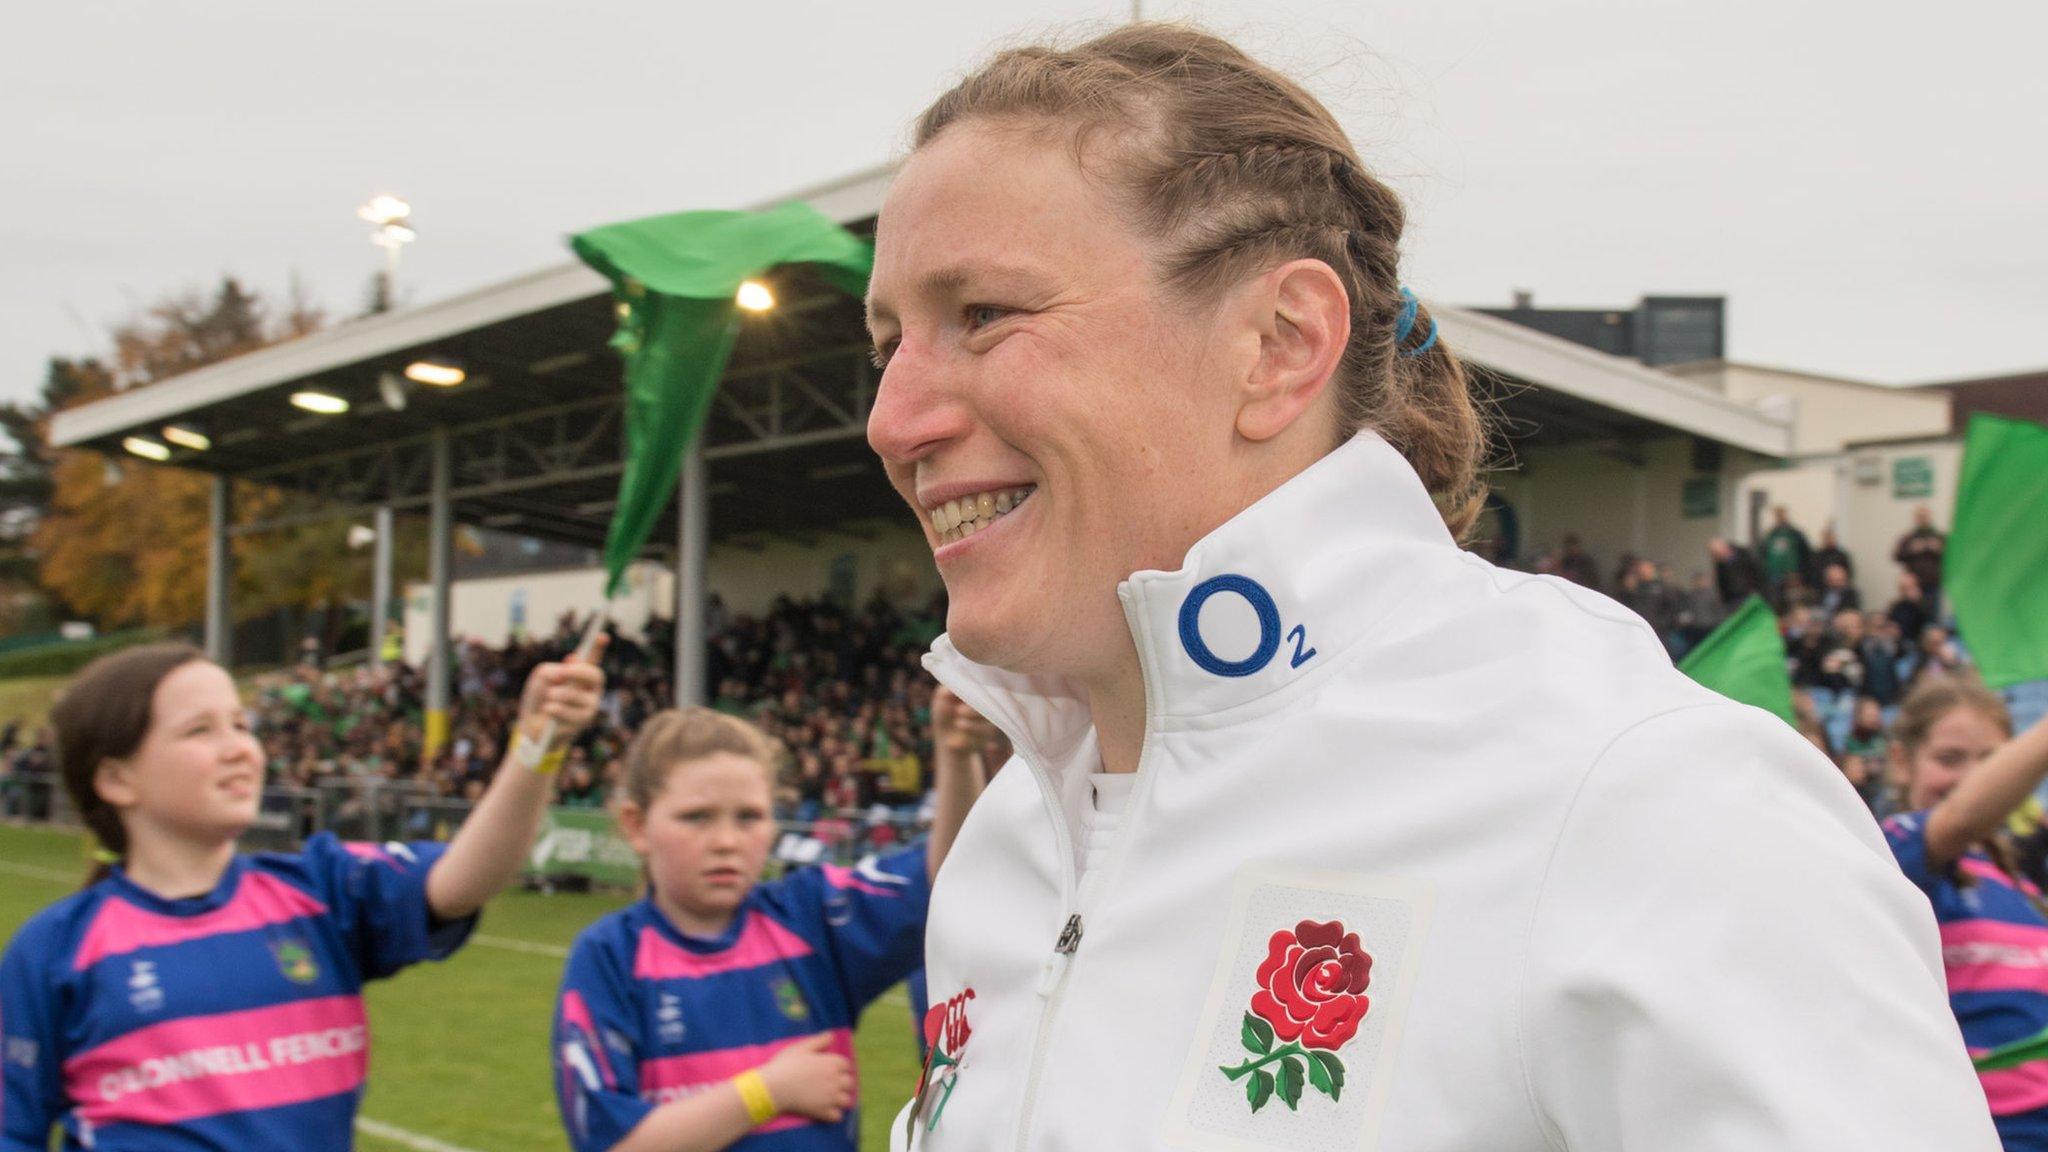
{"points": [[375, 808]]}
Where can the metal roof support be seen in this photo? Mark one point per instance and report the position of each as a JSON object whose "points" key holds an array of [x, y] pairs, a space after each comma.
{"points": [[380, 588], [693, 503], [219, 575], [439, 534]]}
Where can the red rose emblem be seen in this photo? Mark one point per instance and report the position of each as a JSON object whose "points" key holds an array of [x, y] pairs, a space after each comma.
{"points": [[945, 1025], [945, 1035], [1312, 985]]}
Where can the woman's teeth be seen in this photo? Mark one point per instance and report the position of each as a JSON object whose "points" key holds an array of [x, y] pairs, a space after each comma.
{"points": [[959, 519]]}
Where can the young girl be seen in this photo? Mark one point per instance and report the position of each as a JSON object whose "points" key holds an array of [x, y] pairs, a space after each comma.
{"points": [[196, 998], [716, 1013], [1963, 774]]}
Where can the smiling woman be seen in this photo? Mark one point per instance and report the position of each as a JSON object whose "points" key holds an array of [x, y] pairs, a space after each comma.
{"points": [[1311, 806]]}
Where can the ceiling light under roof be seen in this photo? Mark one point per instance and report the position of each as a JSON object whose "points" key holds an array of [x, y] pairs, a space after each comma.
{"points": [[754, 296], [439, 373], [146, 448], [324, 403], [186, 436]]}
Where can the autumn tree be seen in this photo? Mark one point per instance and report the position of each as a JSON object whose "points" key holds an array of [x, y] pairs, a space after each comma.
{"points": [[27, 482], [123, 542]]}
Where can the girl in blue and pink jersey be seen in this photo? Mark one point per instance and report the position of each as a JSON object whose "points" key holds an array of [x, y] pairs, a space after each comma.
{"points": [[1964, 774], [718, 1013], [194, 998]]}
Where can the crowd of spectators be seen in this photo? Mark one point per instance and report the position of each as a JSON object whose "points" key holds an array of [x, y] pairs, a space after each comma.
{"points": [[844, 690], [1850, 663]]}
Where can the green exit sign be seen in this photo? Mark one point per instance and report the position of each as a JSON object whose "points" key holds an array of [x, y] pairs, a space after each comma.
{"points": [[1912, 478]]}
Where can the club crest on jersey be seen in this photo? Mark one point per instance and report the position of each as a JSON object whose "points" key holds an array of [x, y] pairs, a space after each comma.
{"points": [[295, 960], [945, 1036], [144, 993], [790, 999], [1310, 1001]]}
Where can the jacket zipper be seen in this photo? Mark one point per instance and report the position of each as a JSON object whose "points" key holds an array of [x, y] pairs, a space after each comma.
{"points": [[1053, 981], [1053, 977], [1054, 974]]}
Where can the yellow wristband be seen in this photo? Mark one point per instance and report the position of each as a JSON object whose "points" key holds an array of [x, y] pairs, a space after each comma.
{"points": [[537, 756], [760, 1103]]}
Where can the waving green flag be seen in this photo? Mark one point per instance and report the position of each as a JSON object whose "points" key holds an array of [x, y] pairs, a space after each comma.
{"points": [[1995, 570], [1744, 660], [2025, 1050], [674, 278]]}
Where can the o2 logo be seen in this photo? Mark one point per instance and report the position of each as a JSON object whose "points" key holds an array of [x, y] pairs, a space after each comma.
{"points": [[1269, 628]]}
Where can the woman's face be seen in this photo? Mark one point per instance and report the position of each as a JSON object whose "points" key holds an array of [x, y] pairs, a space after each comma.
{"points": [[1035, 364], [1955, 744], [198, 773]]}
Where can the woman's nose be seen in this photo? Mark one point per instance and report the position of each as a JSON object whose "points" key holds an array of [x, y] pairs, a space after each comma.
{"points": [[915, 409]]}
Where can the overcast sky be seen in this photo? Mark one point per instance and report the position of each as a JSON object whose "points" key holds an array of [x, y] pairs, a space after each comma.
{"points": [[1865, 181]]}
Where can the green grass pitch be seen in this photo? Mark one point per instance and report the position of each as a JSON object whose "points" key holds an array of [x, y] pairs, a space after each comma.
{"points": [[459, 1050]]}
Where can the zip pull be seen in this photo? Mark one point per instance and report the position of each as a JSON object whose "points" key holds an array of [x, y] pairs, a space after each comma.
{"points": [[1062, 954]]}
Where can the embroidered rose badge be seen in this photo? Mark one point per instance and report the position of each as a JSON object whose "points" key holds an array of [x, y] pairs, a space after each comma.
{"points": [[946, 1031], [1310, 1001]]}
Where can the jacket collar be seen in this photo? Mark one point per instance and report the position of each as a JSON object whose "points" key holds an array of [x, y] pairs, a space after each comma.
{"points": [[1259, 608]]}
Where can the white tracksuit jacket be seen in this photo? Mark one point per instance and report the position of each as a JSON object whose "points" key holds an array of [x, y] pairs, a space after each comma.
{"points": [[1604, 909]]}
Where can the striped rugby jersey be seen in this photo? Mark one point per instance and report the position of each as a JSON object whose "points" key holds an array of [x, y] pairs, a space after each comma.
{"points": [[648, 1014], [1994, 948], [232, 1020]]}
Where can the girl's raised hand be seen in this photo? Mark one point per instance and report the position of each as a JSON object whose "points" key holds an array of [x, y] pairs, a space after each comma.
{"points": [[566, 692], [958, 728]]}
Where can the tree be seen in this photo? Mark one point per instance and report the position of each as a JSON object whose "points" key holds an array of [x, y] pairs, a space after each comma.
{"points": [[27, 481], [123, 542]]}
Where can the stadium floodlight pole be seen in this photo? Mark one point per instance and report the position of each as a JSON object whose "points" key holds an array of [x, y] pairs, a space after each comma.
{"points": [[218, 573], [394, 231], [693, 508]]}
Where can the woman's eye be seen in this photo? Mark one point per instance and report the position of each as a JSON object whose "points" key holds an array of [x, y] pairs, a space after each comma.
{"points": [[882, 353], [983, 315]]}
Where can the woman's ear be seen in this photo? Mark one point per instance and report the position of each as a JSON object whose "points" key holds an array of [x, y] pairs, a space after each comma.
{"points": [[1302, 315]]}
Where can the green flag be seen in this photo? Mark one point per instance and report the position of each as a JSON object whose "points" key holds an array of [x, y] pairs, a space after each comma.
{"points": [[674, 278], [1995, 570], [2025, 1050], [1744, 660]]}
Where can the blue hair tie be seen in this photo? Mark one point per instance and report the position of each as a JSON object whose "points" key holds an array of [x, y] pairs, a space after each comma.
{"points": [[1405, 323]]}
